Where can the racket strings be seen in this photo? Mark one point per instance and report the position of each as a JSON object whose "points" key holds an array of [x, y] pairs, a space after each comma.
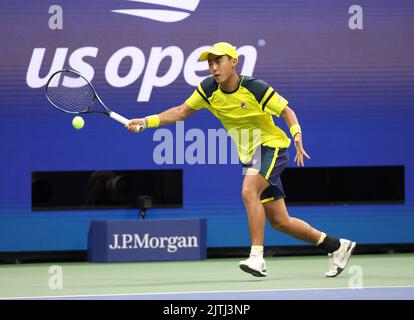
{"points": [[70, 92]]}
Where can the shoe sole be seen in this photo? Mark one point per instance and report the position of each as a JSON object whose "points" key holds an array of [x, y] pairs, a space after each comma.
{"points": [[353, 245], [251, 271]]}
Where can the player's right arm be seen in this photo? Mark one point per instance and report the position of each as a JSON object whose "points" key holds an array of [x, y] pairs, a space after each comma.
{"points": [[196, 101], [175, 114], [166, 117]]}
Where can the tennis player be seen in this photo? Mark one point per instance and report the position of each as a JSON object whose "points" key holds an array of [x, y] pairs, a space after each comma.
{"points": [[245, 103]]}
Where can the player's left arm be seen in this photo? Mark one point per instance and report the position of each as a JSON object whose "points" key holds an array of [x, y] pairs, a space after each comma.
{"points": [[273, 103], [293, 124]]}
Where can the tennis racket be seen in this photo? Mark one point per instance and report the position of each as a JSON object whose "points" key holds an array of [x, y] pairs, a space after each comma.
{"points": [[70, 92]]}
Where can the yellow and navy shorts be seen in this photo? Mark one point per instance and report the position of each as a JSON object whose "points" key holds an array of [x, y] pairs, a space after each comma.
{"points": [[270, 162]]}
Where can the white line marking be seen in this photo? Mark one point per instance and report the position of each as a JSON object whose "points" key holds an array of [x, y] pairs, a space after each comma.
{"points": [[198, 292]]}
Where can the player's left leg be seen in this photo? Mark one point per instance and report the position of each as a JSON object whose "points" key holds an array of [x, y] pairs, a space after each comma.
{"points": [[339, 250], [278, 216]]}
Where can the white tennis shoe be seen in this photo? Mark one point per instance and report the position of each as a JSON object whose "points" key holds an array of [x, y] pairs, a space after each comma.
{"points": [[255, 265], [339, 258]]}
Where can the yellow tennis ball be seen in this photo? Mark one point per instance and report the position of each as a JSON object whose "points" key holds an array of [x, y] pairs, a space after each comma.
{"points": [[78, 122]]}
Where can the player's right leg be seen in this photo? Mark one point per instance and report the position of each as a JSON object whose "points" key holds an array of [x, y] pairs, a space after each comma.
{"points": [[253, 186]]}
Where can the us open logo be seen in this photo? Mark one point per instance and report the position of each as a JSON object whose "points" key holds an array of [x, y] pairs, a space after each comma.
{"points": [[183, 9]]}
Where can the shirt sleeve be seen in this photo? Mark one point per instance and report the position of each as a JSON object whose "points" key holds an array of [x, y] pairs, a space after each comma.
{"points": [[198, 99], [273, 102]]}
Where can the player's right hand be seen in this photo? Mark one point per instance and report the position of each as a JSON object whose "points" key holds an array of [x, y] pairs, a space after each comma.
{"points": [[136, 125]]}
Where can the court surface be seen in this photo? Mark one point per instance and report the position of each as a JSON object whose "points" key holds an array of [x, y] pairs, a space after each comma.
{"points": [[386, 276]]}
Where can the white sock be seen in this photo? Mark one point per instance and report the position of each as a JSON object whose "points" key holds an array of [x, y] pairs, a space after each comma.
{"points": [[257, 251]]}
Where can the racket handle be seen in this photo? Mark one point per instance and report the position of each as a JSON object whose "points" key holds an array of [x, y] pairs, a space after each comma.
{"points": [[118, 118]]}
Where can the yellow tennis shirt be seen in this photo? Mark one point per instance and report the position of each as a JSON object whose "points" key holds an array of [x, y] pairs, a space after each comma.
{"points": [[245, 113]]}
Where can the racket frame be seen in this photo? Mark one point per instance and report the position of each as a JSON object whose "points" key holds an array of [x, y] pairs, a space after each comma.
{"points": [[106, 111]]}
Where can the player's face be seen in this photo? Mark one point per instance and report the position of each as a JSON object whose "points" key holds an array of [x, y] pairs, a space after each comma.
{"points": [[221, 67]]}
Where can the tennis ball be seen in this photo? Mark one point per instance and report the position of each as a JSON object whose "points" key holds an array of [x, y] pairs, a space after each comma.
{"points": [[78, 122]]}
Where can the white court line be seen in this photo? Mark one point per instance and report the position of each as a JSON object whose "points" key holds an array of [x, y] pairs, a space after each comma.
{"points": [[198, 292]]}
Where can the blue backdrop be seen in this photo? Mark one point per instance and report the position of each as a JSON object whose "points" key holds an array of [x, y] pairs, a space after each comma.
{"points": [[351, 89]]}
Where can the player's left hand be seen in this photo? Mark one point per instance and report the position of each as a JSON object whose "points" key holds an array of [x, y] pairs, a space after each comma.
{"points": [[300, 152]]}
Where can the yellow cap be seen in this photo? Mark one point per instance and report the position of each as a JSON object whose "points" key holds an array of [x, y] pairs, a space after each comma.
{"points": [[220, 49]]}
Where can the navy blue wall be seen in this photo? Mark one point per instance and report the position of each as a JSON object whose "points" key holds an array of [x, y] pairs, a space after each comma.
{"points": [[351, 89]]}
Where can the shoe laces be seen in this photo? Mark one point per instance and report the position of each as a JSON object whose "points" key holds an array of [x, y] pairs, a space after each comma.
{"points": [[255, 256]]}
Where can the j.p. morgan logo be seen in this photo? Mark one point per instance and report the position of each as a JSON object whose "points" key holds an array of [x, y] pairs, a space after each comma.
{"points": [[183, 9], [129, 241]]}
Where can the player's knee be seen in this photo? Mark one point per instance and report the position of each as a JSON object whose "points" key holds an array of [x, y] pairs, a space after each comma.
{"points": [[249, 195], [280, 224]]}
